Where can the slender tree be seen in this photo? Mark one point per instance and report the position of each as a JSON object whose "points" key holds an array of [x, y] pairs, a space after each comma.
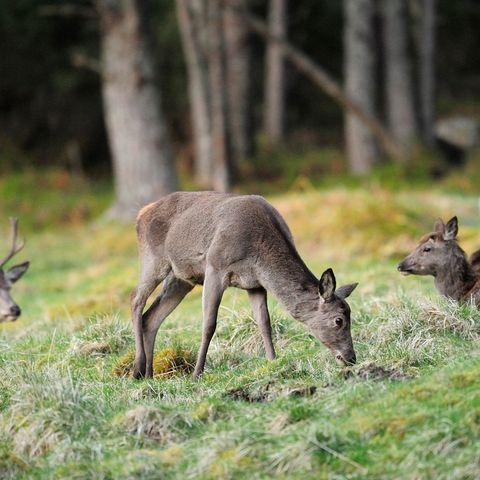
{"points": [[192, 18], [221, 145], [427, 69], [398, 83], [238, 81], [203, 37], [142, 155], [275, 74], [359, 71]]}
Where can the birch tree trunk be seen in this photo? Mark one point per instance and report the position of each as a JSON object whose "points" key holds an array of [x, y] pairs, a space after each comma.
{"points": [[398, 82], [275, 75], [238, 81], [359, 71], [192, 18], [142, 156]]}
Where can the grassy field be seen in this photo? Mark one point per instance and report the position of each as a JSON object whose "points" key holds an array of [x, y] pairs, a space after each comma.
{"points": [[410, 408]]}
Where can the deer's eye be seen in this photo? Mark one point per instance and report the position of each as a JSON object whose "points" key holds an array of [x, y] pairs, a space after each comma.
{"points": [[427, 249], [339, 322]]}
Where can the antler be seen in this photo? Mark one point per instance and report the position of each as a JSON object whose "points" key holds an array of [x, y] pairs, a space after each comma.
{"points": [[14, 249]]}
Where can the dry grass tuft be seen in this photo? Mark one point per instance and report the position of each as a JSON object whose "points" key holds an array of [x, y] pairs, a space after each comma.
{"points": [[149, 422], [103, 335], [90, 348]]}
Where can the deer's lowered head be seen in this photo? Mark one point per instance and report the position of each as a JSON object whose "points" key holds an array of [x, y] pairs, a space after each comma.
{"points": [[438, 254], [331, 322], [9, 310]]}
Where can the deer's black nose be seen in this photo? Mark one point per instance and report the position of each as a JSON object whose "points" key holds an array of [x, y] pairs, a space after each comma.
{"points": [[15, 311]]}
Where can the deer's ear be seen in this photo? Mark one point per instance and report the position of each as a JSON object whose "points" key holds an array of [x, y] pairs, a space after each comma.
{"points": [[345, 290], [439, 226], [451, 229], [327, 284], [16, 272]]}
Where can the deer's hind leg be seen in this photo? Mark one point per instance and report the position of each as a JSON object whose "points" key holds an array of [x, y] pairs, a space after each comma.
{"points": [[213, 289], [152, 274], [172, 293]]}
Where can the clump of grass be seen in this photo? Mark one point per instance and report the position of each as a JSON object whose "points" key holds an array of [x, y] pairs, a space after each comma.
{"points": [[47, 412], [224, 456], [11, 465], [169, 362], [148, 422], [448, 316], [104, 334]]}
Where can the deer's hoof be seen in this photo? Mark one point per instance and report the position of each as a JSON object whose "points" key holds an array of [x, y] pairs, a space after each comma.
{"points": [[138, 370]]}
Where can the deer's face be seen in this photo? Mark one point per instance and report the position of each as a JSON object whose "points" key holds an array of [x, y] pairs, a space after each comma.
{"points": [[433, 252], [331, 322], [9, 310]]}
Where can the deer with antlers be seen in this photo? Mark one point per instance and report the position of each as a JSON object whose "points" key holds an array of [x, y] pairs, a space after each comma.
{"points": [[9, 310]]}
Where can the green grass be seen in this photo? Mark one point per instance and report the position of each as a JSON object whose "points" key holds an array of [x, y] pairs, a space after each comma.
{"points": [[409, 409]]}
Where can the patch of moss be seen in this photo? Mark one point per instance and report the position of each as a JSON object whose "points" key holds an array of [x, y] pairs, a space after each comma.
{"points": [[169, 362], [124, 365], [172, 361]]}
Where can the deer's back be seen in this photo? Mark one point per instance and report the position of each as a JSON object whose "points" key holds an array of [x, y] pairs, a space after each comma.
{"points": [[233, 233]]}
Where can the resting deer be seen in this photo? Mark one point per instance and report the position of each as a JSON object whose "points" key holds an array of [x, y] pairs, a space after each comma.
{"points": [[9, 310], [438, 254], [224, 240]]}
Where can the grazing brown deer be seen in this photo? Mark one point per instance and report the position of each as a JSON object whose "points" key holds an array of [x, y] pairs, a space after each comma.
{"points": [[9, 310], [438, 254], [224, 240]]}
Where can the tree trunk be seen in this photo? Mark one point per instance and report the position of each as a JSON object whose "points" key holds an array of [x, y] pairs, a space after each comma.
{"points": [[192, 17], [359, 71], [399, 94], [142, 156], [238, 82], [427, 70], [275, 75], [221, 153]]}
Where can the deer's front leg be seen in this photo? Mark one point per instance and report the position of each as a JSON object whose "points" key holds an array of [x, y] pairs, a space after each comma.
{"points": [[258, 300], [173, 292], [211, 298]]}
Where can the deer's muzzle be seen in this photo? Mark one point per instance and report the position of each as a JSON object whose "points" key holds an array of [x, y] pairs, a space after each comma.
{"points": [[346, 359]]}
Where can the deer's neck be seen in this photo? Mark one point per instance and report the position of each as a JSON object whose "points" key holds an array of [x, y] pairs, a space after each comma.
{"points": [[456, 278], [292, 283]]}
